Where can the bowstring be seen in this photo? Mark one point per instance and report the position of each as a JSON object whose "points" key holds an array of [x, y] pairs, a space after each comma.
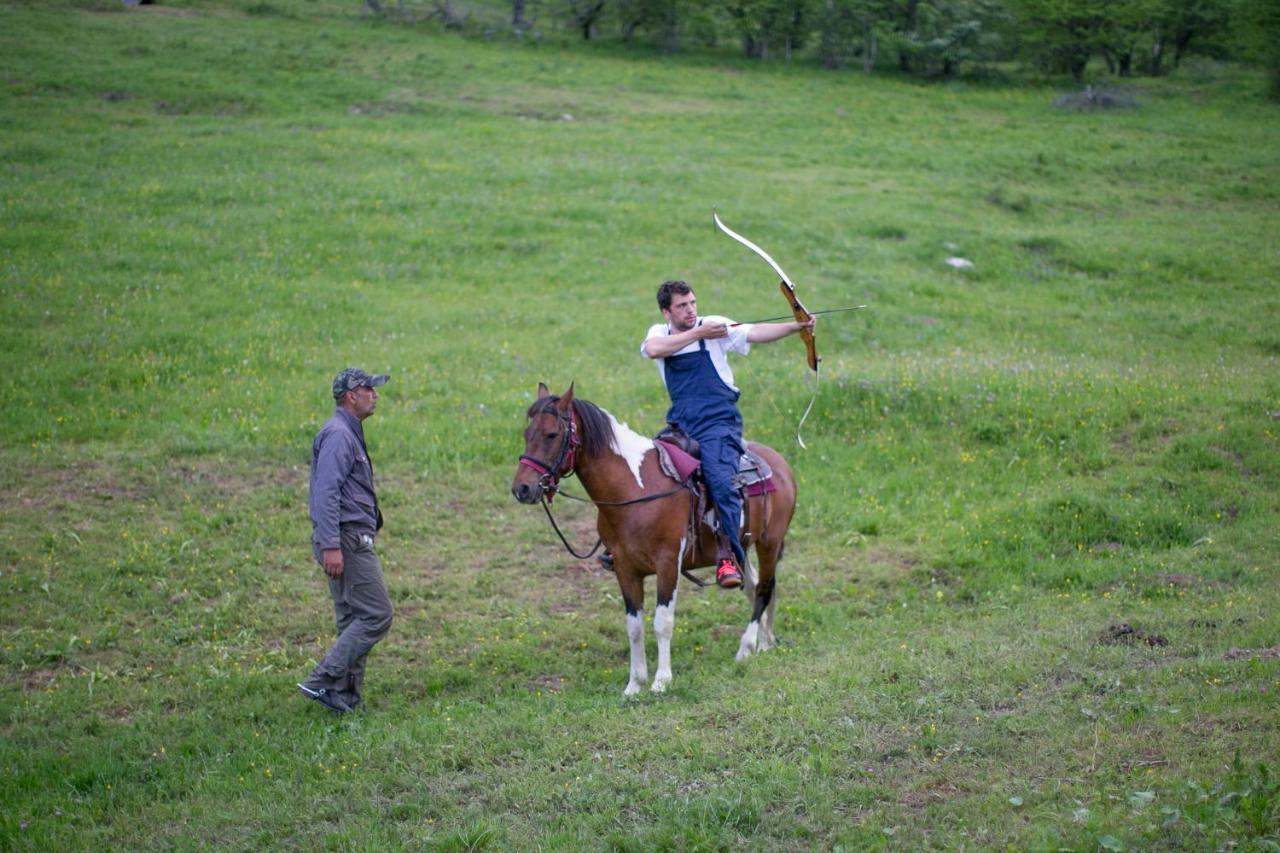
{"points": [[812, 399]]}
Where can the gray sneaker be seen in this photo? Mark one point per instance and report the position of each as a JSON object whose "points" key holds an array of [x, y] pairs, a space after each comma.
{"points": [[325, 698]]}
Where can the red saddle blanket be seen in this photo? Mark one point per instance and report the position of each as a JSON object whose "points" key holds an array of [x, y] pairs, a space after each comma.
{"points": [[683, 464]]}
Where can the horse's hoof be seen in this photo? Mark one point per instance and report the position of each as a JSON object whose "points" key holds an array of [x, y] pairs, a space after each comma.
{"points": [[661, 684], [750, 642], [632, 689]]}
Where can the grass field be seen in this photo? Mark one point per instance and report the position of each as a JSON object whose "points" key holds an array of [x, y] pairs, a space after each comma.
{"points": [[1030, 593]]}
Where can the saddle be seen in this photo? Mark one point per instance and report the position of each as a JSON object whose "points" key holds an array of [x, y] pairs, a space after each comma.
{"points": [[679, 455]]}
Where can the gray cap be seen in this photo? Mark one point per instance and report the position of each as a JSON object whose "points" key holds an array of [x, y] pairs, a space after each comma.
{"points": [[354, 377]]}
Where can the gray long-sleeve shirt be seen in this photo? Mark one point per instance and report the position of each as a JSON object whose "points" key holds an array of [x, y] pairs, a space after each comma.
{"points": [[341, 481]]}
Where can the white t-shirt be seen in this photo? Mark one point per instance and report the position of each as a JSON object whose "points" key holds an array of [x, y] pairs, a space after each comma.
{"points": [[717, 348]]}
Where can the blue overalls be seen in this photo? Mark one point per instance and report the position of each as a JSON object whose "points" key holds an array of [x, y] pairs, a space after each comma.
{"points": [[705, 407]]}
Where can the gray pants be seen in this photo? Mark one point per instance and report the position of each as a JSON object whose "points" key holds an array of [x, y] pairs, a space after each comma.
{"points": [[363, 612]]}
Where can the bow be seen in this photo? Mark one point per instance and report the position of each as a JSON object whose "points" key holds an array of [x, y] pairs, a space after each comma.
{"points": [[798, 311]]}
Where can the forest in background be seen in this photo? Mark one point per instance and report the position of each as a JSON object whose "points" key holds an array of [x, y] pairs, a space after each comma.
{"points": [[931, 39]]}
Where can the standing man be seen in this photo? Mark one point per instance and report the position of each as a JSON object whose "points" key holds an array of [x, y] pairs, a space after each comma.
{"points": [[344, 521], [692, 357]]}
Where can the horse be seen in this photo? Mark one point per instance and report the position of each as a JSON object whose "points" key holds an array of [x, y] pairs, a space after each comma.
{"points": [[645, 519]]}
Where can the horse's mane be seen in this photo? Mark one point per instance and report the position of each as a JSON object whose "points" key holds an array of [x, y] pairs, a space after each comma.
{"points": [[594, 425]]}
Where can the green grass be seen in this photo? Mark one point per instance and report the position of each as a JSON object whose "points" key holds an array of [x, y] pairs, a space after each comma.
{"points": [[207, 210]]}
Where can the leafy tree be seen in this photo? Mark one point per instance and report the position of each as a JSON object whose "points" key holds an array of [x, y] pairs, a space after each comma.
{"points": [[1257, 24], [937, 36], [1126, 25], [1061, 35], [850, 28], [1185, 22], [662, 20], [1131, 35], [1137, 35], [765, 25], [585, 14]]}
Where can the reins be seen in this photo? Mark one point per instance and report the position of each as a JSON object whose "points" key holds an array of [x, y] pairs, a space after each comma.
{"points": [[546, 506], [640, 500]]}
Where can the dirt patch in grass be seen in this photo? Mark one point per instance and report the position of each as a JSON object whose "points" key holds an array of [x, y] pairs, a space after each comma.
{"points": [[1232, 458], [57, 489], [885, 557], [227, 482], [41, 488], [1246, 654], [577, 582], [1179, 579], [1164, 581], [938, 575], [1125, 634], [722, 630], [39, 679], [931, 791], [579, 586], [118, 713], [545, 682], [1143, 759], [1127, 440], [1211, 624]]}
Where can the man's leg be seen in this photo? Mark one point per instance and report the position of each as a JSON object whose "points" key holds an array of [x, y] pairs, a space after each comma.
{"points": [[363, 611], [719, 465]]}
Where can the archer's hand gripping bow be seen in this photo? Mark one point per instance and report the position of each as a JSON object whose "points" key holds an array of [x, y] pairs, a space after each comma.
{"points": [[798, 310]]}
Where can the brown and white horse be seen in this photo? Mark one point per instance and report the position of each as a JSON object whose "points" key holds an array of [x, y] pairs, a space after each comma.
{"points": [[644, 518]]}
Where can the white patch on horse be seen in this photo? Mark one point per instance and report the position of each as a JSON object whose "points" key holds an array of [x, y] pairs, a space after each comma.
{"points": [[630, 445], [639, 666], [664, 626], [749, 640]]}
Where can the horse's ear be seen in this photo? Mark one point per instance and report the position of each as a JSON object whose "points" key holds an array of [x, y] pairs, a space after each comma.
{"points": [[543, 390], [567, 398]]}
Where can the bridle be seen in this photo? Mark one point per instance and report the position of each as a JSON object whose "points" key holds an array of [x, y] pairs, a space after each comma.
{"points": [[566, 458], [549, 475]]}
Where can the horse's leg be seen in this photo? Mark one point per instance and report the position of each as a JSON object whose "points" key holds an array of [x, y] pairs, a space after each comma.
{"points": [[767, 640], [664, 617], [631, 584], [750, 637], [750, 579], [749, 574], [759, 633]]}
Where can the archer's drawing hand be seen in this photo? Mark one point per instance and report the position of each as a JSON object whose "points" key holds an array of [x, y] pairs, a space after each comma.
{"points": [[332, 562], [714, 330]]}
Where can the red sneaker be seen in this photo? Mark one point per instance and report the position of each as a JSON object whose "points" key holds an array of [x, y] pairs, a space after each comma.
{"points": [[727, 575]]}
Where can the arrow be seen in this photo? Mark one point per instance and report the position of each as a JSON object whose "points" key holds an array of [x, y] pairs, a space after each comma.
{"points": [[788, 316]]}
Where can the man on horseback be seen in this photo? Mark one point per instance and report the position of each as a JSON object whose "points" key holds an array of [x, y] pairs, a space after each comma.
{"points": [[692, 357]]}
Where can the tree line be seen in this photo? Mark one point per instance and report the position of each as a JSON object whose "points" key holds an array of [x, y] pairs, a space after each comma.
{"points": [[927, 38]]}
